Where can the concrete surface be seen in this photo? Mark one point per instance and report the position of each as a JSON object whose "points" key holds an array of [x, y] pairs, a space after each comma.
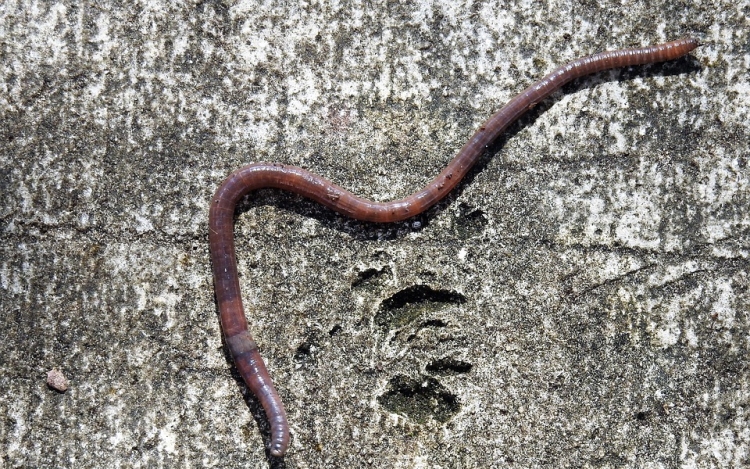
{"points": [[581, 301]]}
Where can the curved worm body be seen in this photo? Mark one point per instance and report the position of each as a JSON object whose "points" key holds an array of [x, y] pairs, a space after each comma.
{"points": [[241, 345]]}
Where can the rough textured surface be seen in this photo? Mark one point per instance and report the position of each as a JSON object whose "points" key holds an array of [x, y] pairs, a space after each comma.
{"points": [[581, 301]]}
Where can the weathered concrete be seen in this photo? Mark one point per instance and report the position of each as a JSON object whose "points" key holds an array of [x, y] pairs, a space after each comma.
{"points": [[582, 301]]}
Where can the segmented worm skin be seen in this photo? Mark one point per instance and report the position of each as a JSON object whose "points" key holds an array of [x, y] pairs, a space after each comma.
{"points": [[241, 345]]}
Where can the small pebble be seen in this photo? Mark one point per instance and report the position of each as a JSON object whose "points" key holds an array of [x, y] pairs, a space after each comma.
{"points": [[57, 381]]}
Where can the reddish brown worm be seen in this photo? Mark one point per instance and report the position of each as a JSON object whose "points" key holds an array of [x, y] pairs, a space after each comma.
{"points": [[241, 345]]}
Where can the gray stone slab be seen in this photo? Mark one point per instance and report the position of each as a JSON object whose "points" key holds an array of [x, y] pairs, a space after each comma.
{"points": [[581, 301]]}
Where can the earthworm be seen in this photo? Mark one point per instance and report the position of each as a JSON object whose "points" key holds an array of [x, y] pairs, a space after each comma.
{"points": [[240, 343]]}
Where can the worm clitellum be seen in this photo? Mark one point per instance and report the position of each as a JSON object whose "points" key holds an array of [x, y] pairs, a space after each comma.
{"points": [[241, 345]]}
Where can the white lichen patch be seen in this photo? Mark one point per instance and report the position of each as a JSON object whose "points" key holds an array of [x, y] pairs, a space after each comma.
{"points": [[168, 439], [622, 212], [667, 331], [723, 305]]}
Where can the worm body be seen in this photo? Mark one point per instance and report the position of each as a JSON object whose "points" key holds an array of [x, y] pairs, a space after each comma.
{"points": [[242, 347]]}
